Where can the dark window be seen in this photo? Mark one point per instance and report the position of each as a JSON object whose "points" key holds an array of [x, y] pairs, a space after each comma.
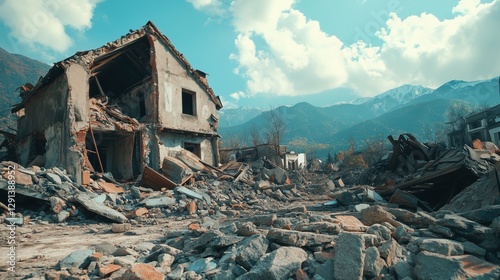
{"points": [[193, 148], [188, 102]]}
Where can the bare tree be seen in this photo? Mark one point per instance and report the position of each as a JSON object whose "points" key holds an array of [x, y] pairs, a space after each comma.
{"points": [[456, 113], [276, 127], [255, 135]]}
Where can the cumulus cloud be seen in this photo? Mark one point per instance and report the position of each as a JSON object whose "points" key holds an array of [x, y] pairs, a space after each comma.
{"points": [[237, 95], [281, 51], [45, 23], [213, 7]]}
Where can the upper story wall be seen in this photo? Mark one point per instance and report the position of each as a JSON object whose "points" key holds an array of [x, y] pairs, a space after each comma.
{"points": [[182, 103], [45, 109]]}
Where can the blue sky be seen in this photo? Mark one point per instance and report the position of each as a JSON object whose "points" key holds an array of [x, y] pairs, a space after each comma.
{"points": [[277, 52]]}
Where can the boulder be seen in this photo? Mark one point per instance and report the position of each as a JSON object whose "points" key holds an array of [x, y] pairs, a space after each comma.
{"points": [[75, 259], [351, 263], [280, 264]]}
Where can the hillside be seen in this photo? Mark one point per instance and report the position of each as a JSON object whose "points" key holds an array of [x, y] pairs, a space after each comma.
{"points": [[304, 120], [408, 108], [15, 70]]}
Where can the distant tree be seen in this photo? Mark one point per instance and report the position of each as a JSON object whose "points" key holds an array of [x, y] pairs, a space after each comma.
{"points": [[276, 127], [434, 132], [329, 159], [255, 135], [374, 149], [456, 113]]}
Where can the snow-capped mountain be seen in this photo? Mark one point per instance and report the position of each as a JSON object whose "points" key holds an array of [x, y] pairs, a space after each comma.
{"points": [[396, 98], [235, 116]]}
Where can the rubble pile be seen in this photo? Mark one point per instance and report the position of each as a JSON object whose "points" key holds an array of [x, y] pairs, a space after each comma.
{"points": [[61, 200], [428, 176], [254, 220], [378, 242]]}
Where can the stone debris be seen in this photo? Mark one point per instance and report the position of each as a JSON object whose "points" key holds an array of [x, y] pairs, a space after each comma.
{"points": [[243, 229]]}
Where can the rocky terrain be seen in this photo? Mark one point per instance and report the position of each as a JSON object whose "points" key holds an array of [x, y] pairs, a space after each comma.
{"points": [[297, 225]]}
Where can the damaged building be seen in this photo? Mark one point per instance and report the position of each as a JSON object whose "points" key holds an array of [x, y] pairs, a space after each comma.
{"points": [[118, 109]]}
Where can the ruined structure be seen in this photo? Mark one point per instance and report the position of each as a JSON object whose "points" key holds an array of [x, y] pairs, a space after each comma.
{"points": [[118, 108], [483, 125]]}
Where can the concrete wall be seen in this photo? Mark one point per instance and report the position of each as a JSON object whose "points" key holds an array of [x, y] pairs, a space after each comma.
{"points": [[171, 143], [45, 113], [78, 118], [172, 78]]}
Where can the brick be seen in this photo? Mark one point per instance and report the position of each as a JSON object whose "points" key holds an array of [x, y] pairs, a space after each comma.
{"points": [[142, 271], [107, 270], [194, 226], [191, 207]]}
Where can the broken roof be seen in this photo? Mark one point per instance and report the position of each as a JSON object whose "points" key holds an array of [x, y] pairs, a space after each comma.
{"points": [[89, 57]]}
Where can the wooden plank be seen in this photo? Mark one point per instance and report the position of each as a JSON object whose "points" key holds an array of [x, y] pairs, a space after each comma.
{"points": [[154, 180]]}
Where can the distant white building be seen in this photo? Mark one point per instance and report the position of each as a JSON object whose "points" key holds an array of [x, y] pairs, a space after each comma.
{"points": [[294, 161]]}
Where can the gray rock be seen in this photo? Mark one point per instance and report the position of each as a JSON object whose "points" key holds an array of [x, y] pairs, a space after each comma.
{"points": [[442, 230], [100, 209], [122, 251], [380, 230], [371, 239], [163, 201], [62, 216], [75, 259], [298, 238], [120, 228], [465, 227], [391, 252], [350, 265], [495, 225], [264, 219], [106, 248], [144, 247], [165, 260], [224, 275], [473, 249], [435, 266], [250, 250], [177, 273], [125, 261], [247, 229], [400, 234], [54, 178], [189, 193], [347, 198], [224, 241], [325, 270], [373, 263], [442, 246], [277, 265], [418, 219], [202, 241], [202, 265], [485, 215], [321, 227], [403, 270]]}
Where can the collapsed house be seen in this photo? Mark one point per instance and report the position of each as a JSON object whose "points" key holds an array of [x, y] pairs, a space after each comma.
{"points": [[118, 109], [423, 175], [484, 125]]}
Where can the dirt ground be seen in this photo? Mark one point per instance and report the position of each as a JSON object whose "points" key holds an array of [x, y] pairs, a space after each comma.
{"points": [[41, 246]]}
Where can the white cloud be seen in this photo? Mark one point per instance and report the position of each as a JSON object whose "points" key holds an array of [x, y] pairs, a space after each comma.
{"points": [[237, 95], [298, 58], [43, 23], [280, 51], [214, 7]]}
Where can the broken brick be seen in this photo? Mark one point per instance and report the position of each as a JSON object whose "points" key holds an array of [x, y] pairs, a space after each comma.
{"points": [[107, 270]]}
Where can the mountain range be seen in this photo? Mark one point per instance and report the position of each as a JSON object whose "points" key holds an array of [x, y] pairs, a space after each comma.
{"points": [[406, 109], [15, 70]]}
